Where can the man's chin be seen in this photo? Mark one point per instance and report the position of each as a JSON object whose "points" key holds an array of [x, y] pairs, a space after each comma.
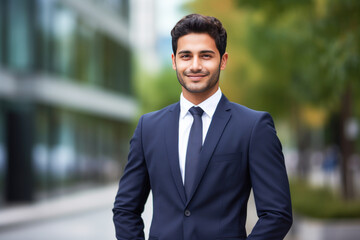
{"points": [[196, 89]]}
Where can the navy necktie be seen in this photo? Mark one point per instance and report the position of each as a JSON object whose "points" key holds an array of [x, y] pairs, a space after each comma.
{"points": [[193, 149]]}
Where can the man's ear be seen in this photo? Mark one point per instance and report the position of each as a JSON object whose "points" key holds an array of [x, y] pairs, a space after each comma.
{"points": [[224, 59], [173, 57]]}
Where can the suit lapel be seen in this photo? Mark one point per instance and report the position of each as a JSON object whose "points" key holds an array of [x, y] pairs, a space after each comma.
{"points": [[172, 146], [220, 119]]}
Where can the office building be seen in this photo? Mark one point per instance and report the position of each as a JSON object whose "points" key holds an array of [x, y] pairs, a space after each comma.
{"points": [[66, 98]]}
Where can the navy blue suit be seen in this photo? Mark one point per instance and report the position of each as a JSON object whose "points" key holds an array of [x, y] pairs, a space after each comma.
{"points": [[241, 151]]}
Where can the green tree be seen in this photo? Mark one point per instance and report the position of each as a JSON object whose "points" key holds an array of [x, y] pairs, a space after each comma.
{"points": [[295, 54], [157, 89]]}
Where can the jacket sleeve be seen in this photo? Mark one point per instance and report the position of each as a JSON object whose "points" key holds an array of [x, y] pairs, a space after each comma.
{"points": [[269, 182], [133, 192]]}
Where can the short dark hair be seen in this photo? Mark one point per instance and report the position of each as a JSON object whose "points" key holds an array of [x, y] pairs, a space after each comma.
{"points": [[196, 23]]}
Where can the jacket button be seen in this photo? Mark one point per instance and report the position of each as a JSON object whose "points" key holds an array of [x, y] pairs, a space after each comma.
{"points": [[187, 213]]}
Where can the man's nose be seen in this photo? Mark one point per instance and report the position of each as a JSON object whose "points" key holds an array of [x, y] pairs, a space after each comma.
{"points": [[196, 65]]}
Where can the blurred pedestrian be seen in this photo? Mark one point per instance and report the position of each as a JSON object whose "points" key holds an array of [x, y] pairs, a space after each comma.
{"points": [[331, 159]]}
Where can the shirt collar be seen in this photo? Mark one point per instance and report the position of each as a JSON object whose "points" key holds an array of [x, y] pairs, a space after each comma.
{"points": [[209, 105]]}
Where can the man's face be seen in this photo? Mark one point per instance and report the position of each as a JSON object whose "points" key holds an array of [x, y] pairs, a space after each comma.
{"points": [[197, 64]]}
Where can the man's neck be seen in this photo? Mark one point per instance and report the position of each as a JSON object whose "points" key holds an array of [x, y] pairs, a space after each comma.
{"points": [[197, 98]]}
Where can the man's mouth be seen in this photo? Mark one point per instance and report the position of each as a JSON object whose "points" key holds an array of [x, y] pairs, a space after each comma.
{"points": [[196, 77]]}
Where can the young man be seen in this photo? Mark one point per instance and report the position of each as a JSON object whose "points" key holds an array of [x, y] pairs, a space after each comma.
{"points": [[202, 155]]}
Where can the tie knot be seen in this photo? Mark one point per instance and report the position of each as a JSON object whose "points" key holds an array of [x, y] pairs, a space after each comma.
{"points": [[196, 111]]}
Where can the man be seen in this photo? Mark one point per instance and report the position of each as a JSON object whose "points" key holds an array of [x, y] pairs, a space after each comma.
{"points": [[202, 155]]}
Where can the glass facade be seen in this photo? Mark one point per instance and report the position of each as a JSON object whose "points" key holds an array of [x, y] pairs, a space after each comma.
{"points": [[1, 31], [72, 47], [18, 32], [2, 125], [69, 147], [48, 36], [76, 148], [117, 7], [2, 154]]}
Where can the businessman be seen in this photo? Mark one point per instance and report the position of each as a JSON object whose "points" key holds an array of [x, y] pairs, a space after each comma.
{"points": [[203, 155]]}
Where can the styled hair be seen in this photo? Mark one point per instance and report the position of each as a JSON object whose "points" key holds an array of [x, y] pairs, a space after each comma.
{"points": [[196, 23]]}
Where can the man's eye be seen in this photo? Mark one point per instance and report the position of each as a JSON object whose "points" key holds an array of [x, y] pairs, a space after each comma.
{"points": [[185, 56], [206, 56]]}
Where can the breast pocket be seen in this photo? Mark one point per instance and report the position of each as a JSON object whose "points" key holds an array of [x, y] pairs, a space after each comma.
{"points": [[226, 171], [228, 157]]}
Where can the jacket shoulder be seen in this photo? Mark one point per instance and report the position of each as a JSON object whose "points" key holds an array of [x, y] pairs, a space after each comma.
{"points": [[159, 114], [245, 112]]}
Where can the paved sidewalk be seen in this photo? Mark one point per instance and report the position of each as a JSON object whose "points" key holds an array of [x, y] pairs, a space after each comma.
{"points": [[83, 201], [83, 215]]}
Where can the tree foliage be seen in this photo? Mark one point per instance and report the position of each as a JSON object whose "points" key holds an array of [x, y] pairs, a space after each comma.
{"points": [[157, 90], [298, 59], [301, 52]]}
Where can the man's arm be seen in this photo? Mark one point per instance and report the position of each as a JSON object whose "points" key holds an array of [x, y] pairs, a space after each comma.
{"points": [[133, 192], [269, 181]]}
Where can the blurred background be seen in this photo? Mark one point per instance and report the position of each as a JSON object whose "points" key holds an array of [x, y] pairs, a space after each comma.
{"points": [[75, 75]]}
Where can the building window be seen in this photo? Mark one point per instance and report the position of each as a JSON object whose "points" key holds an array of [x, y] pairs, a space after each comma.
{"points": [[76, 50], [70, 147], [116, 66], [44, 34], [64, 41], [19, 30], [2, 29], [2, 152], [73, 149]]}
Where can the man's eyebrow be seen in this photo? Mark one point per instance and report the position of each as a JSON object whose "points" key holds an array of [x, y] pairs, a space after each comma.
{"points": [[207, 51], [203, 51], [184, 52]]}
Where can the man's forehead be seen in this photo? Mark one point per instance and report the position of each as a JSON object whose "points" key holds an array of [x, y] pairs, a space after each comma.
{"points": [[196, 42]]}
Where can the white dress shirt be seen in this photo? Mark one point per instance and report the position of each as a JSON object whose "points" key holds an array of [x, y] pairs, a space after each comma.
{"points": [[186, 120]]}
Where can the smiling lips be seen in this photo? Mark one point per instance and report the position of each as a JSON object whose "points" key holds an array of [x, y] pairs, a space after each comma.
{"points": [[196, 76]]}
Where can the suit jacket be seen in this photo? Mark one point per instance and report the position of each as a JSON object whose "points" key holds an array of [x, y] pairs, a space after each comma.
{"points": [[241, 151]]}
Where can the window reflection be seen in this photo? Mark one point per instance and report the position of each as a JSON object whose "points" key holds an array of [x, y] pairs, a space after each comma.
{"points": [[19, 34], [73, 148], [44, 34], [70, 147], [119, 7], [64, 44], [2, 17], [2, 153], [72, 47]]}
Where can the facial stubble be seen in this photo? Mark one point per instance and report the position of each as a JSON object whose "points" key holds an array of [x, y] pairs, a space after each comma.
{"points": [[212, 81]]}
